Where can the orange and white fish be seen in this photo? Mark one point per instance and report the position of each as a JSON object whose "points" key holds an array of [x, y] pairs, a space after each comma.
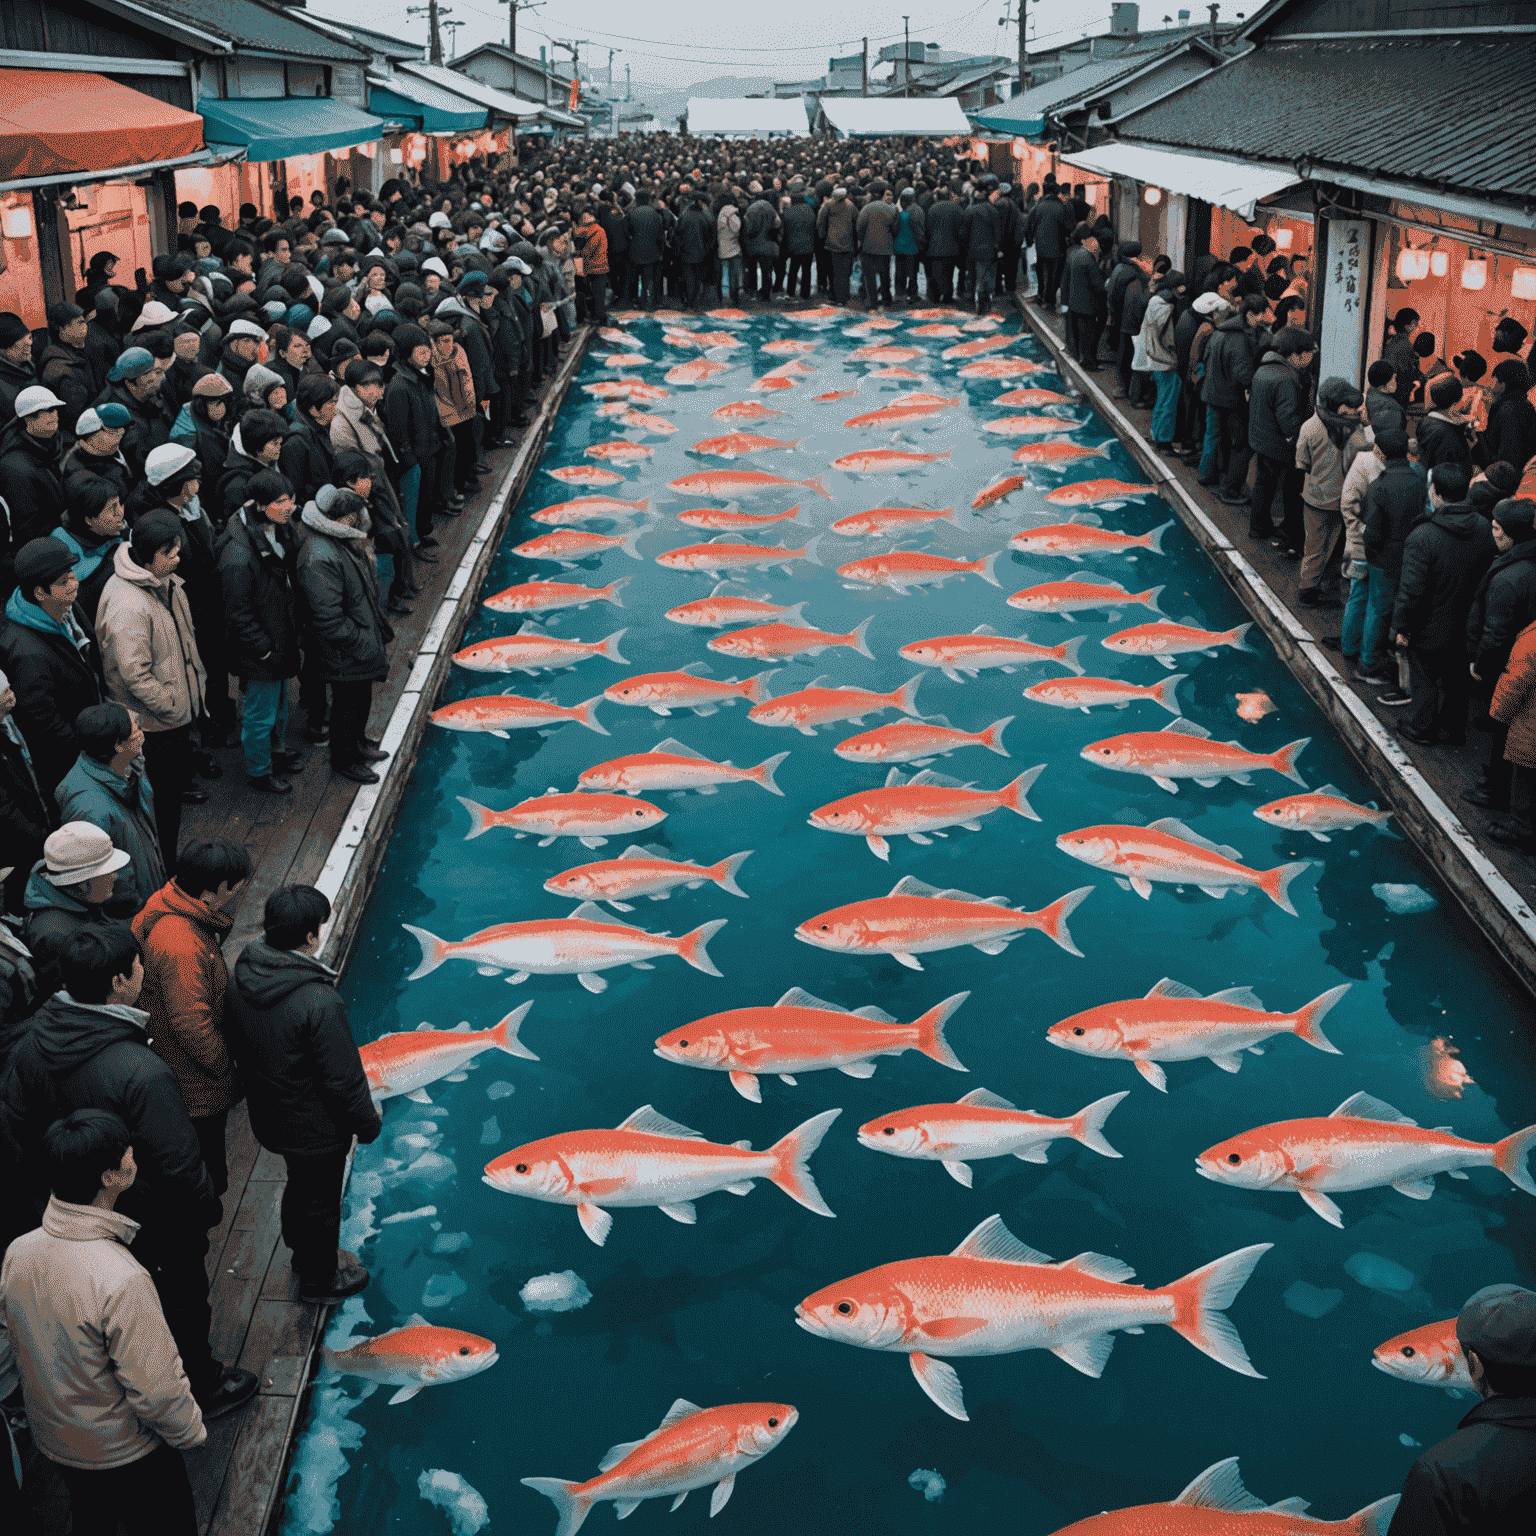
{"points": [[718, 339], [905, 568], [1164, 641], [878, 354], [1074, 540], [626, 360], [649, 1160], [833, 394], [1217, 1504], [683, 339], [672, 765], [723, 607], [1184, 750], [743, 410], [801, 1033], [545, 596], [691, 687], [1170, 853], [1003, 489], [643, 871], [550, 816], [645, 393], [691, 1448], [588, 941], [697, 370], [896, 413], [1001, 368], [659, 426], [936, 329], [714, 520], [570, 546], [720, 554], [806, 708], [534, 649], [670, 317], [419, 1354], [878, 522], [980, 1125], [873, 326], [962, 656], [935, 313], [584, 508], [1085, 692], [790, 348], [976, 348], [918, 919], [1321, 812], [1174, 1023], [919, 741], [589, 474], [617, 337], [404, 1063], [608, 389], [1029, 397], [927, 802], [728, 314], [621, 451], [735, 445], [1056, 452], [1074, 596], [925, 397], [897, 371], [1254, 706], [993, 1296], [1093, 493], [769, 382], [499, 714], [723, 484], [789, 636], [1029, 426], [885, 461], [1430, 1356], [1363, 1144]]}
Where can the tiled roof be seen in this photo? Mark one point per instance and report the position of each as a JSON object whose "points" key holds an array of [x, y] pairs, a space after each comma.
{"points": [[250, 25]]}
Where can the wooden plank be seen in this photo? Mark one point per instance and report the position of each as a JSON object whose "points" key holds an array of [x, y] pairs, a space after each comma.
{"points": [[232, 1303], [208, 1465], [277, 1345], [255, 1470]]}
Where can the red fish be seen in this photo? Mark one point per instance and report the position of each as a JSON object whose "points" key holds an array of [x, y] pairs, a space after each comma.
{"points": [[588, 818], [1184, 750], [790, 636], [999, 492], [919, 741], [1321, 812], [904, 568], [1430, 1355], [770, 381], [1028, 426], [1074, 596], [962, 656], [627, 360], [585, 508], [713, 520], [568, 546], [413, 1357], [886, 461], [721, 555], [620, 452], [911, 410], [897, 372], [736, 444], [743, 410], [1085, 692], [608, 389], [935, 330], [405, 1063], [723, 607], [499, 714], [879, 354], [587, 474], [1057, 452], [790, 348], [1090, 493], [977, 347], [1165, 641], [646, 393], [723, 484], [670, 765], [697, 370], [534, 649], [728, 314], [880, 521], [1031, 397], [644, 872], [1074, 540], [834, 394], [546, 595], [690, 687], [806, 708], [658, 426], [1001, 368]]}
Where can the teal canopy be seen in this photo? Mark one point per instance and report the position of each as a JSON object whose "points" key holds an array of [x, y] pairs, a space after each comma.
{"points": [[293, 125], [431, 108]]}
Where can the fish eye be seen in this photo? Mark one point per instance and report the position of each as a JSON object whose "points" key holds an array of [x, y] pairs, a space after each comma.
{"points": [[682, 1042], [845, 1307], [826, 928], [1233, 1158], [1079, 1030], [463, 1349], [1409, 1351], [773, 1423], [522, 1168], [890, 1130]]}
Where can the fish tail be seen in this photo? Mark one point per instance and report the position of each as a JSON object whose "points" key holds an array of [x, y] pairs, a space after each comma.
{"points": [[905, 697], [992, 737], [793, 517], [1284, 761], [1066, 654], [643, 505], [947, 514], [1087, 1125], [610, 647], [1013, 795], [930, 1033], [817, 486], [1236, 637], [1373, 1520], [984, 568], [1167, 693], [586, 713], [1052, 920], [504, 1034], [631, 544], [808, 551], [612, 590], [691, 946], [756, 688], [855, 638], [1201, 1300], [724, 873], [1154, 540], [1102, 450], [481, 818], [1310, 1018], [572, 1507], [1275, 883], [764, 772], [1509, 1157], [1149, 598], [791, 1166], [433, 951]]}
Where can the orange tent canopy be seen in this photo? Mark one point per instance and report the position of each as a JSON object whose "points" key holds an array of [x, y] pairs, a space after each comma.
{"points": [[56, 121]]}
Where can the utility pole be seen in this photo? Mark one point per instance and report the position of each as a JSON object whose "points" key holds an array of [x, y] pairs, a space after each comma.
{"points": [[1213, 9], [906, 61], [435, 52], [627, 96], [1024, 76], [452, 29], [512, 6], [864, 71]]}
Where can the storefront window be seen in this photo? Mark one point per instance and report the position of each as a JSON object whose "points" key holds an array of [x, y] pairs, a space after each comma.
{"points": [[1292, 237], [112, 216]]}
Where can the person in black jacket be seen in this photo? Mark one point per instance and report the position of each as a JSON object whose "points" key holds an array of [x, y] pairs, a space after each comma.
{"points": [[1050, 223], [942, 218], [63, 366], [306, 457], [1481, 1481], [611, 217], [1084, 290], [647, 226], [1443, 437], [1510, 436], [31, 479], [27, 816], [255, 444], [16, 371], [68, 889], [411, 419], [1125, 272], [133, 382], [1394, 502], [305, 1086]]}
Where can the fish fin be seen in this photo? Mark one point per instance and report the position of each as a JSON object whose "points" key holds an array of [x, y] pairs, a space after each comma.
{"points": [[1168, 987], [680, 1210], [1309, 1018], [585, 713], [504, 1035], [798, 997], [1087, 1125], [1228, 1061], [1509, 1157], [873, 1014], [1166, 693], [1218, 891], [698, 669], [624, 1508], [746, 1084], [481, 818], [1143, 888], [911, 962], [1013, 793], [677, 748], [595, 1222], [878, 846], [1153, 1073], [1088, 1354], [681, 1409], [724, 873], [647, 1120], [791, 1167], [857, 1069], [572, 1507], [958, 1171], [616, 1453], [992, 946], [677, 1503], [1284, 761], [419, 1096], [592, 983], [741, 1187], [646, 851], [930, 1032], [1171, 826], [1323, 1206], [1275, 883], [1416, 1189], [433, 951], [405, 1394], [992, 737], [1183, 727], [691, 946], [590, 912], [1053, 919], [1220, 1487], [1240, 997], [1375, 1518], [1361, 1106], [984, 1098], [765, 770], [586, 842], [1201, 1299], [722, 1493], [1168, 784], [921, 839], [938, 1379], [992, 1240], [784, 1077], [1101, 1266], [910, 885]]}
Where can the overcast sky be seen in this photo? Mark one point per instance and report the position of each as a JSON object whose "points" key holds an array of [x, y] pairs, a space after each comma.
{"points": [[676, 42]]}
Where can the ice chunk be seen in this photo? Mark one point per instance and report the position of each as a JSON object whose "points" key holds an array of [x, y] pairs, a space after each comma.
{"points": [[1378, 1274], [450, 1242], [564, 1292], [1404, 899], [466, 1509], [490, 1132], [416, 1215], [363, 1190], [1410, 1442], [441, 1289], [1310, 1300], [928, 1483], [429, 1168], [500, 1090], [412, 1143]]}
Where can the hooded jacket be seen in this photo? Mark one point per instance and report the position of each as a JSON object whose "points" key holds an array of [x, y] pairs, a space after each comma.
{"points": [[1157, 332], [695, 236], [259, 587], [475, 342], [1125, 273], [453, 383], [1325, 462], [1083, 283], [148, 648], [259, 382], [1444, 559], [54, 680], [210, 442], [240, 468], [1481, 1481], [307, 458], [287, 1028], [1231, 356], [1393, 504], [876, 228], [1049, 224], [1363, 472], [340, 587], [124, 808], [1276, 408], [759, 230], [1442, 439], [93, 554], [54, 913], [32, 482], [1505, 603], [799, 227], [1510, 435]]}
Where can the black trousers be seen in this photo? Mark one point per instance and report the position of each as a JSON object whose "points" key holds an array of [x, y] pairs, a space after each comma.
{"points": [[311, 1215], [168, 763], [757, 273], [798, 268], [875, 278], [464, 477], [1440, 683], [174, 1252], [906, 278], [941, 279], [1266, 485], [1083, 337], [1235, 450], [350, 706], [149, 1497], [1048, 270], [210, 1140], [842, 273], [695, 281], [648, 273]]}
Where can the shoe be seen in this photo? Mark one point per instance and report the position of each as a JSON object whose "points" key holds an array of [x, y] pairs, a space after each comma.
{"points": [[350, 1278], [1210, 483], [269, 783], [1259, 535], [397, 605], [367, 754], [286, 760], [194, 796], [204, 766], [1312, 597], [1480, 797], [235, 1389], [425, 555], [1394, 698], [317, 732], [358, 772], [1233, 501], [426, 541], [1372, 679], [1332, 643], [1418, 738], [452, 508]]}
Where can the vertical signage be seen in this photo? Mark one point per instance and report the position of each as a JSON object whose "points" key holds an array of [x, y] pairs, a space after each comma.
{"points": [[1345, 281]]}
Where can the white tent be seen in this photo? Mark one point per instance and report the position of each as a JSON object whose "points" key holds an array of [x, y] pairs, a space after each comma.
{"points": [[893, 117], [759, 116]]}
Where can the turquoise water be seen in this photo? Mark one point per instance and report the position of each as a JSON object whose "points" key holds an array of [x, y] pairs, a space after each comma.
{"points": [[706, 1312]]}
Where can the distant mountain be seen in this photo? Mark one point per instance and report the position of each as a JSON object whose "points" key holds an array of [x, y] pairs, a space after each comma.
{"points": [[730, 87]]}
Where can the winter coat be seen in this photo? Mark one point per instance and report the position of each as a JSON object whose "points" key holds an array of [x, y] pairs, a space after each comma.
{"points": [[1324, 463], [1276, 407], [307, 458], [475, 343], [260, 597], [1157, 333], [409, 409], [355, 426], [943, 230], [1125, 273], [26, 811], [1363, 472], [728, 232], [1481, 1481], [235, 476], [67, 372], [1049, 224], [210, 442], [799, 220], [113, 469], [647, 234], [1510, 435], [184, 985], [1083, 283], [1231, 357], [124, 808], [102, 349], [1133, 312], [340, 589], [1444, 559], [1393, 504], [54, 680], [13, 379], [32, 482], [1442, 439], [287, 1029], [54, 914], [911, 231], [1505, 603], [836, 223], [149, 426], [983, 226], [93, 563], [876, 228], [454, 387], [148, 649], [102, 1383], [1405, 365], [759, 230], [1384, 413]]}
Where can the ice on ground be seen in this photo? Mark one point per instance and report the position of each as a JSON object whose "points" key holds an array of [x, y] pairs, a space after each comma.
{"points": [[466, 1509], [501, 1090], [429, 1168], [1410, 1442], [1311, 1300], [416, 1215], [1404, 899], [928, 1483], [490, 1132], [363, 1190], [450, 1242], [414, 1142], [441, 1289], [1379, 1274], [565, 1292]]}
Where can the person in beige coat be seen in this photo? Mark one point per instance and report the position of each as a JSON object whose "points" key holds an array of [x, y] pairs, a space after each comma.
{"points": [[149, 655], [106, 1398]]}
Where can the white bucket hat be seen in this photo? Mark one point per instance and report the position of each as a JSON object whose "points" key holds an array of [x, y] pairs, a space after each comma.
{"points": [[78, 852]]}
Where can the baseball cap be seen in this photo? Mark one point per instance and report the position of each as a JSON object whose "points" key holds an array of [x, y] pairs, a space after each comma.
{"points": [[37, 397], [100, 418]]}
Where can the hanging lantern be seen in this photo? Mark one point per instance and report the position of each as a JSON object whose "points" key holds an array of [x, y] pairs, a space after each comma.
{"points": [[1152, 196], [1020, 150], [1439, 262], [1283, 239], [16, 223], [1474, 274], [1522, 283], [396, 155], [1412, 265]]}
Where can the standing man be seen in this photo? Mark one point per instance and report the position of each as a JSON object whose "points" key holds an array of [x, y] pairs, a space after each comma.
{"points": [[1047, 229], [1087, 299], [592, 242], [1276, 409], [943, 248], [875, 229], [835, 224]]}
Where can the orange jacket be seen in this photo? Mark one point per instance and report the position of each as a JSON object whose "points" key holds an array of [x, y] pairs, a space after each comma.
{"points": [[454, 386], [1514, 700], [184, 985], [593, 241]]}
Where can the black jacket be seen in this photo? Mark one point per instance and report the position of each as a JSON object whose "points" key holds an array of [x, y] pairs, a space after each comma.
{"points": [[1442, 442], [32, 482], [1481, 1481], [260, 600], [1133, 307], [1049, 223], [13, 380], [345, 623], [113, 470], [1393, 504], [53, 683], [799, 220], [409, 409], [695, 237], [1511, 432], [307, 459], [27, 813], [1083, 282], [67, 372], [149, 426], [287, 1030], [1505, 603], [647, 234], [1125, 273], [1444, 559], [943, 219], [1231, 359], [1277, 406], [54, 914], [1384, 413]]}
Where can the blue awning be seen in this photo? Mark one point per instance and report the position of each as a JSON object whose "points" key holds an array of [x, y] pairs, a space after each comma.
{"points": [[293, 125], [430, 108]]}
